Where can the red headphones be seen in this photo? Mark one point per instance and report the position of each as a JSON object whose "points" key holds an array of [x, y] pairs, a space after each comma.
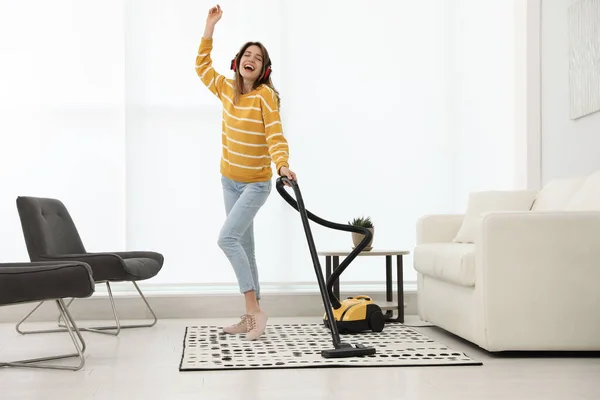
{"points": [[267, 70]]}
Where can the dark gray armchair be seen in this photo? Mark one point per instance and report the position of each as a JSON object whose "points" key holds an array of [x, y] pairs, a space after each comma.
{"points": [[50, 234], [47, 281]]}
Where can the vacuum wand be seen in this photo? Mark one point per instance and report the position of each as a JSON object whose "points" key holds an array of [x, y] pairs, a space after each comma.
{"points": [[299, 205], [326, 289], [368, 235]]}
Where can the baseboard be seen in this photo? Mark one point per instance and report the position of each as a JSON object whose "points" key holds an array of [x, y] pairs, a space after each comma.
{"points": [[167, 306]]}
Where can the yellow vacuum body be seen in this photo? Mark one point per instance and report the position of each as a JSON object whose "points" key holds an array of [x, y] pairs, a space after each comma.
{"points": [[357, 314]]}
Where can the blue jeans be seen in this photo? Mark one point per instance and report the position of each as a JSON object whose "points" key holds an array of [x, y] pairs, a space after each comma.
{"points": [[236, 239]]}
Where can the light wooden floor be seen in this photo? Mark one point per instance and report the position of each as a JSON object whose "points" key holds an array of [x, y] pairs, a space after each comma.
{"points": [[143, 364]]}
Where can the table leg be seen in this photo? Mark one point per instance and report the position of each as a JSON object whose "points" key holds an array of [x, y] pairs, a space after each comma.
{"points": [[399, 290], [389, 296], [336, 286], [327, 267], [400, 275]]}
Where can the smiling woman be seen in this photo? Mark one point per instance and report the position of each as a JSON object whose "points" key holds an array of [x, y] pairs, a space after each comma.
{"points": [[252, 138], [256, 69]]}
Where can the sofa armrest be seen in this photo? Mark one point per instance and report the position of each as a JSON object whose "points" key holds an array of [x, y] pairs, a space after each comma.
{"points": [[538, 274], [438, 228]]}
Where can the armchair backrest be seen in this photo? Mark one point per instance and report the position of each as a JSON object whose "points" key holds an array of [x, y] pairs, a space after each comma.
{"points": [[48, 228]]}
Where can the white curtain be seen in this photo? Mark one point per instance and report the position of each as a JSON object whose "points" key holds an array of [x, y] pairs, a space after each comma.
{"points": [[392, 110], [62, 116]]}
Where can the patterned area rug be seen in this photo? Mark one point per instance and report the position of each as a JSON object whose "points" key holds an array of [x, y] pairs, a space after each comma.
{"points": [[205, 348]]}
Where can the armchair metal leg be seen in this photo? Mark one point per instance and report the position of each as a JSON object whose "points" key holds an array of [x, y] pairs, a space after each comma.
{"points": [[75, 334], [107, 330], [118, 326]]}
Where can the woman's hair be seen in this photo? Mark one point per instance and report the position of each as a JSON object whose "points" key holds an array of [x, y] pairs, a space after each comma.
{"points": [[239, 80]]}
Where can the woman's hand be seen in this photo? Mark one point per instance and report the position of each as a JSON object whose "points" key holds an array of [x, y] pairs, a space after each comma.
{"points": [[288, 173], [214, 15]]}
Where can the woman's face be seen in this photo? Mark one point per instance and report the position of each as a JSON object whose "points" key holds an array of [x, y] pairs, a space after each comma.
{"points": [[251, 63]]}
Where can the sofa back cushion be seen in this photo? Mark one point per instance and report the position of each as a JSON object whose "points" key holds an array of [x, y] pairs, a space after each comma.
{"points": [[489, 201], [587, 198], [556, 194]]}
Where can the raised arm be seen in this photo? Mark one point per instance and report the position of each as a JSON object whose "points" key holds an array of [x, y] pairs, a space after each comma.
{"points": [[213, 80]]}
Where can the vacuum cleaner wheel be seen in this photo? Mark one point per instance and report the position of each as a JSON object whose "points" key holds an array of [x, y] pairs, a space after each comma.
{"points": [[376, 321]]}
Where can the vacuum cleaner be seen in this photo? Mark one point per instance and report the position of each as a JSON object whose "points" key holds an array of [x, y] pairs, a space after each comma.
{"points": [[355, 314]]}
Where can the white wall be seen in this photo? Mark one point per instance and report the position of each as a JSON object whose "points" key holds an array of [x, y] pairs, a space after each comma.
{"points": [[569, 147], [62, 117]]}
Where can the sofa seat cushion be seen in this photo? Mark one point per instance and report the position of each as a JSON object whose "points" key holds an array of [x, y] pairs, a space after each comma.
{"points": [[449, 262]]}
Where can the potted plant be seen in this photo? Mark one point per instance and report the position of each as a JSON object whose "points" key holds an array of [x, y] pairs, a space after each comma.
{"points": [[363, 222]]}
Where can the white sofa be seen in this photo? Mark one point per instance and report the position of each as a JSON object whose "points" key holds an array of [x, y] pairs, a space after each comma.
{"points": [[520, 270]]}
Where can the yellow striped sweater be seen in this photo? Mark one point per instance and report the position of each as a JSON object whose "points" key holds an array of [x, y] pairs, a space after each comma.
{"points": [[252, 133]]}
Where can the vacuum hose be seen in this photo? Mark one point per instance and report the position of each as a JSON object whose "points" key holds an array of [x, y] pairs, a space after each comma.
{"points": [[298, 204]]}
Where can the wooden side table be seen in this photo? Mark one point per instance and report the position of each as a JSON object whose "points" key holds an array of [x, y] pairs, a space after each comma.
{"points": [[332, 259]]}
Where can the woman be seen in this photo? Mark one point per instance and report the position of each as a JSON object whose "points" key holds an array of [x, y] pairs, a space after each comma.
{"points": [[252, 138]]}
